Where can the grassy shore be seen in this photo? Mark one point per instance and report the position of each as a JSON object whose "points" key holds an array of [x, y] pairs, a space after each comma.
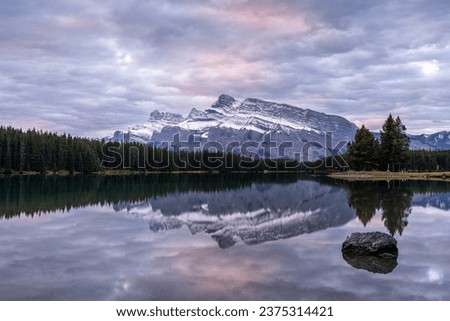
{"points": [[374, 176]]}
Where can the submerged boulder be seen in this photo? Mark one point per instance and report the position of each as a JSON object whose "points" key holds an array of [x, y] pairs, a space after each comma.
{"points": [[371, 243], [374, 251]]}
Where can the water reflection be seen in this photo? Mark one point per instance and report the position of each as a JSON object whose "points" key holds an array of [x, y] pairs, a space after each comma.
{"points": [[255, 214], [393, 199], [248, 208], [36, 195], [107, 252], [371, 263]]}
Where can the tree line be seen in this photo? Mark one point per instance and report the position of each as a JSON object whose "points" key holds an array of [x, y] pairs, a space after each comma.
{"points": [[38, 151], [391, 152], [43, 152]]}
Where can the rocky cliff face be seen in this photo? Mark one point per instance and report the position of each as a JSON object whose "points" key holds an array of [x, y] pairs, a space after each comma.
{"points": [[289, 131], [232, 123]]}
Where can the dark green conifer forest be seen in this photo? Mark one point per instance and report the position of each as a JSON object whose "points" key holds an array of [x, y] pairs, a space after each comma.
{"points": [[45, 152], [391, 152]]}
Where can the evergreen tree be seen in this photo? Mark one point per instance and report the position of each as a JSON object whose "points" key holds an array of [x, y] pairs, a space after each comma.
{"points": [[394, 145], [8, 161], [22, 153], [362, 152], [401, 144]]}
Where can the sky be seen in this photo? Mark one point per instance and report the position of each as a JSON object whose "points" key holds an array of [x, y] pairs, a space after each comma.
{"points": [[91, 67]]}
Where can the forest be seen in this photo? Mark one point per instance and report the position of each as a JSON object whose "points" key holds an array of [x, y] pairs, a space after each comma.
{"points": [[45, 152], [34, 151], [392, 152]]}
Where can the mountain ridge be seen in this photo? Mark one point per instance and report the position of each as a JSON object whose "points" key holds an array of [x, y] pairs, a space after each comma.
{"points": [[228, 121]]}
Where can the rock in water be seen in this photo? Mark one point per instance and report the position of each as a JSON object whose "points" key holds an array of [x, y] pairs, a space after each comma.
{"points": [[375, 252], [372, 243]]}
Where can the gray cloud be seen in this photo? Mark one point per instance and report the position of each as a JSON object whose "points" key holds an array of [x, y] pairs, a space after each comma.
{"points": [[89, 67]]}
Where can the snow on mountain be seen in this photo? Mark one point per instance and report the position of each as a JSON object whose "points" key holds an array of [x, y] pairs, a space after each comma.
{"points": [[436, 141], [229, 121], [440, 140], [290, 131]]}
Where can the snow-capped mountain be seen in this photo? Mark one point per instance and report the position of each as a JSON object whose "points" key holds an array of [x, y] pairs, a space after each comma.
{"points": [[440, 140], [230, 123], [436, 141], [255, 124]]}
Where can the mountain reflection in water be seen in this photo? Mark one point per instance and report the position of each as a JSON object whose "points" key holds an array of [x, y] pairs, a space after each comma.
{"points": [[254, 214], [231, 208]]}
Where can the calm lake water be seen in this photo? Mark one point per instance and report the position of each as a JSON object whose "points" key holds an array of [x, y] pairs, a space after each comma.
{"points": [[218, 237]]}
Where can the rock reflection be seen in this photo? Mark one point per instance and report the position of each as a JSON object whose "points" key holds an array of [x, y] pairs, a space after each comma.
{"points": [[375, 264]]}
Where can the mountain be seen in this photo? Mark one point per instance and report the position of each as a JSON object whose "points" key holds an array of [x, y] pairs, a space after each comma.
{"points": [[250, 126], [258, 127], [252, 215], [436, 141], [440, 140]]}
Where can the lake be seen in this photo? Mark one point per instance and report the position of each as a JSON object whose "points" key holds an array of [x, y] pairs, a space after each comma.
{"points": [[218, 237]]}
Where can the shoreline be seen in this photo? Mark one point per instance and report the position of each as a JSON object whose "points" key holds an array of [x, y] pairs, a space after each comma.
{"points": [[130, 172], [376, 176]]}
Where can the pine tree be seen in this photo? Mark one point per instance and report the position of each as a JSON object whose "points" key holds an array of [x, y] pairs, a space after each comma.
{"points": [[394, 145], [8, 161], [22, 154], [401, 144], [363, 150]]}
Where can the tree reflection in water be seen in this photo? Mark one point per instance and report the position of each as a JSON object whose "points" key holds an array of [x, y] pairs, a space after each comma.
{"points": [[392, 198]]}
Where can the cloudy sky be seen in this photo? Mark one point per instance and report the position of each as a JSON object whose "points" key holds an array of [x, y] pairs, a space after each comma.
{"points": [[90, 67]]}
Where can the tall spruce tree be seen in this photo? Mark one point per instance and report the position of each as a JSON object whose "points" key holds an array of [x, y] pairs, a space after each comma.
{"points": [[394, 145], [362, 152], [8, 160]]}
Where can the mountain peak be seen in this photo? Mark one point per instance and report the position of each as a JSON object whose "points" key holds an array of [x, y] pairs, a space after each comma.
{"points": [[195, 113], [229, 121], [157, 115], [224, 101]]}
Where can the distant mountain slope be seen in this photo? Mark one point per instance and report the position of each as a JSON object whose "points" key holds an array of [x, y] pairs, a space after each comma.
{"points": [[440, 140], [436, 141], [245, 127], [229, 121]]}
